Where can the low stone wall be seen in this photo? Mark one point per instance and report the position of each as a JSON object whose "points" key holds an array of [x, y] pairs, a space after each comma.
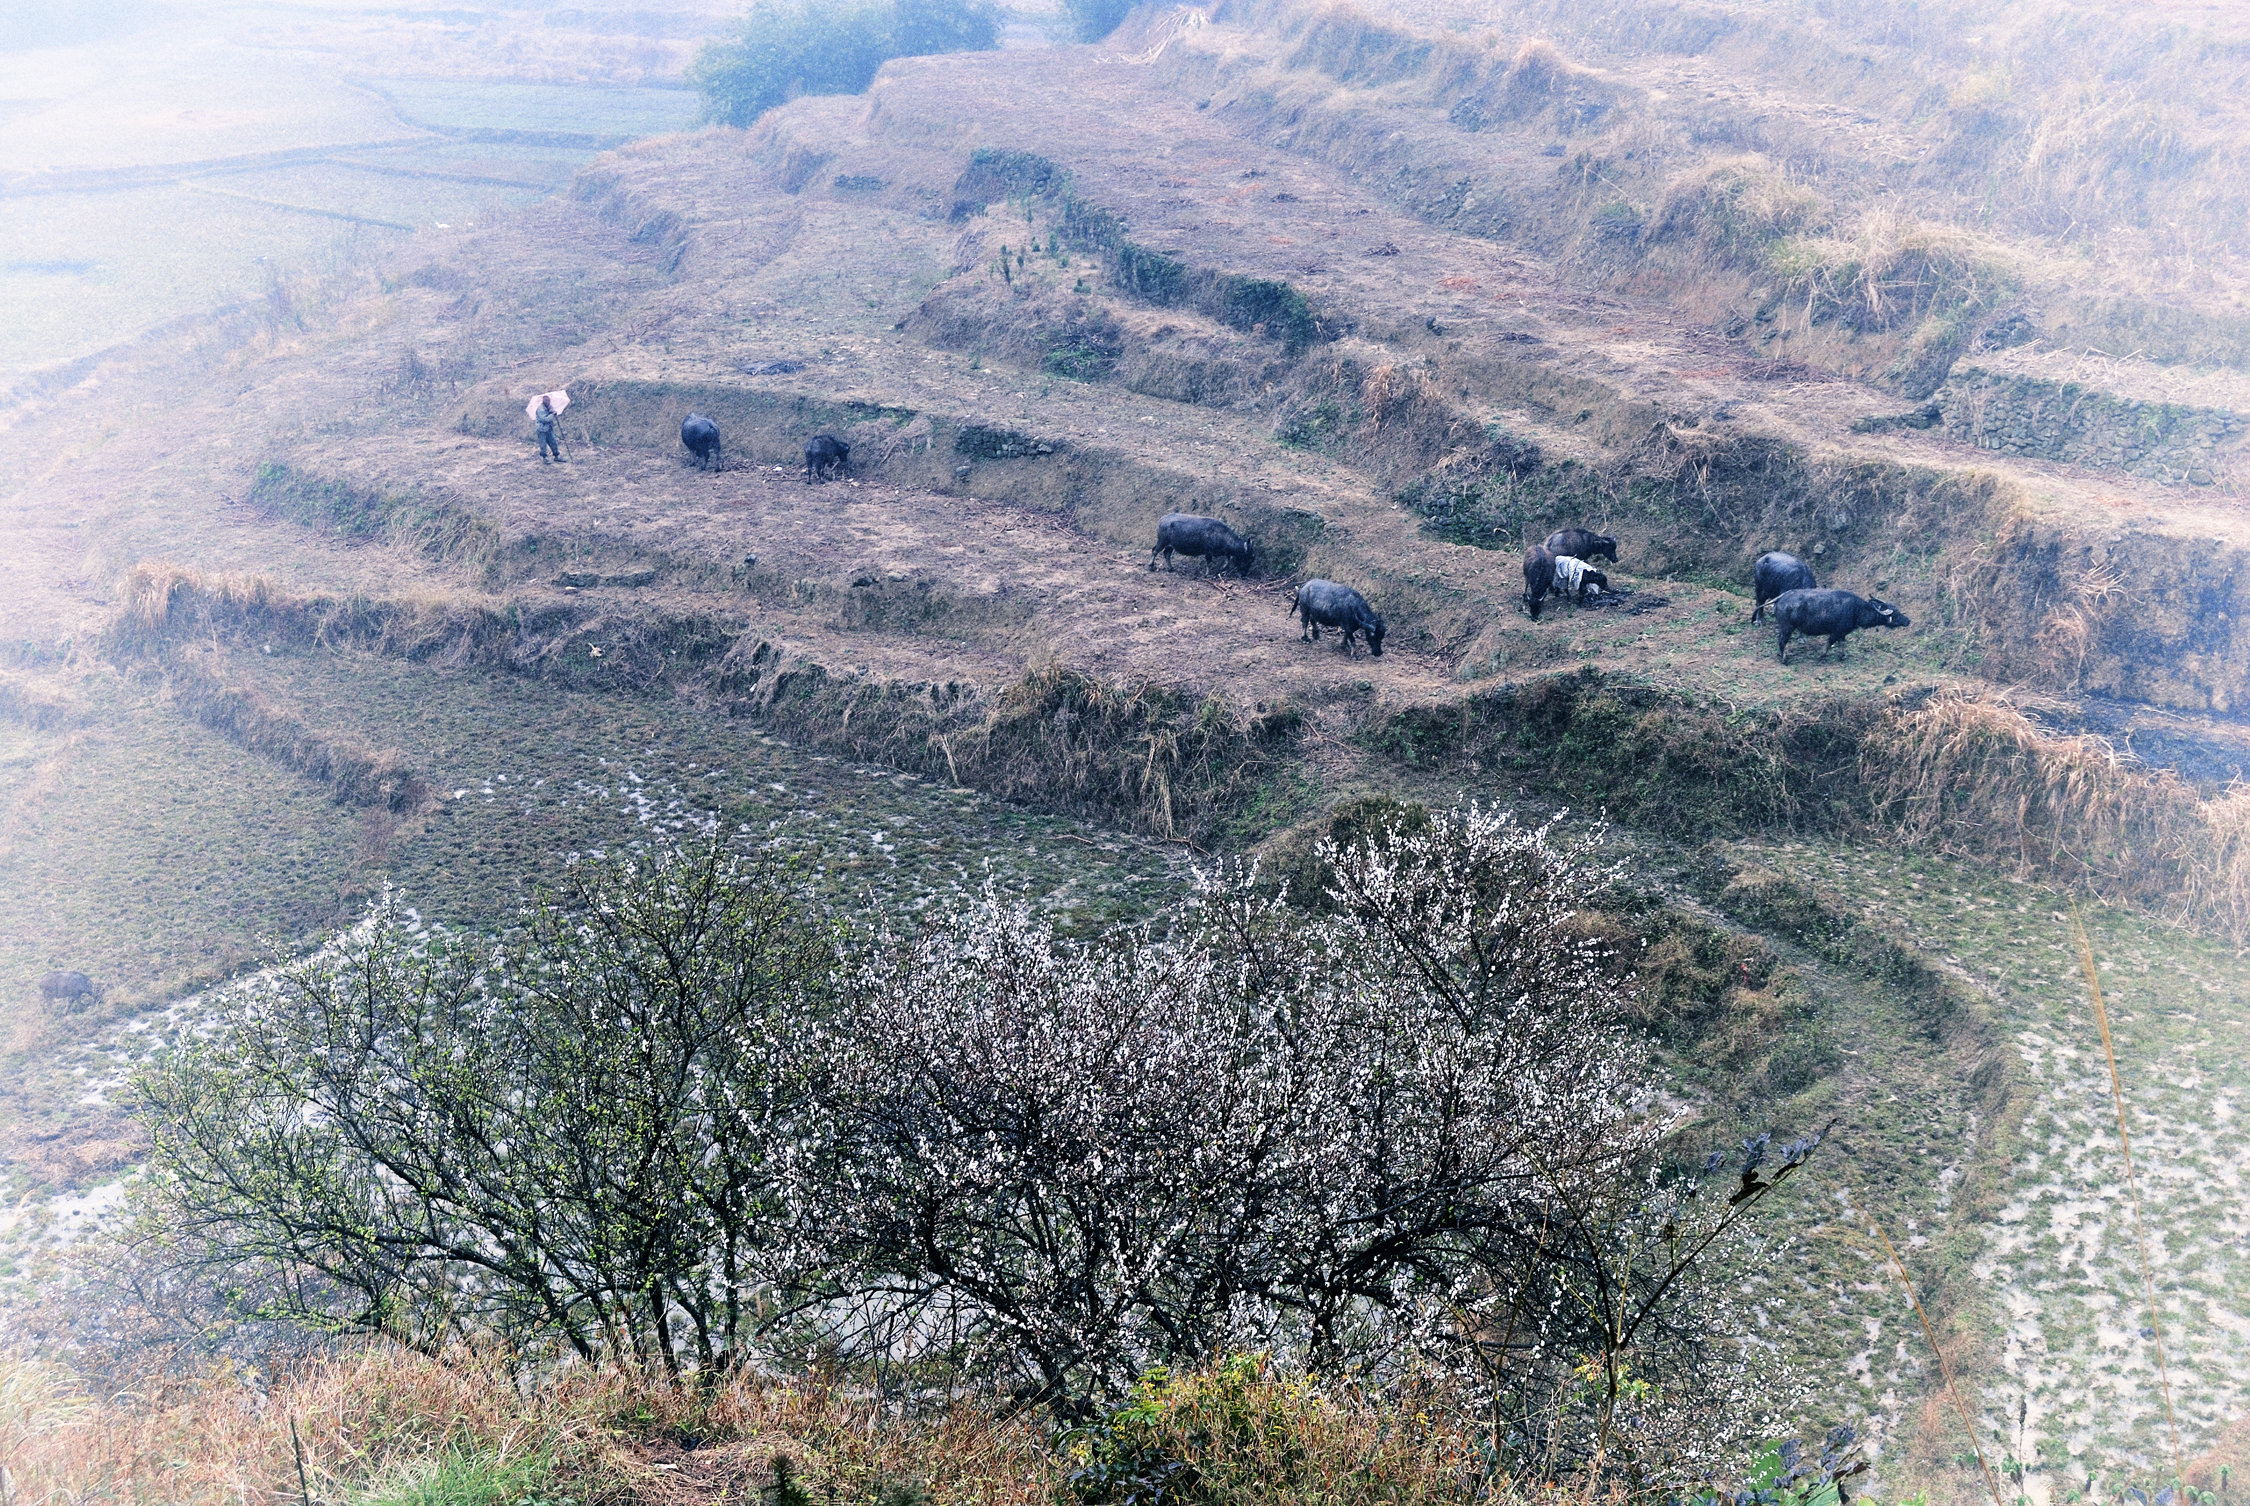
{"points": [[2017, 413]]}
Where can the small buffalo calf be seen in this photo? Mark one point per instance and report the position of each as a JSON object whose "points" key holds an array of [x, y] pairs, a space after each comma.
{"points": [[1577, 577], [1833, 614]]}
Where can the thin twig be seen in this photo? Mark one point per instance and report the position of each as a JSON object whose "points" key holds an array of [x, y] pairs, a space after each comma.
{"points": [[1930, 1333], [2140, 1232], [298, 1448]]}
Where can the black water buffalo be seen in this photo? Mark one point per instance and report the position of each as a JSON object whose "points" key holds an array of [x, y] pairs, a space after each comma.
{"points": [[1198, 537], [55, 988], [824, 454], [1775, 573], [1582, 544], [1538, 577], [1833, 614], [1323, 603], [701, 436]]}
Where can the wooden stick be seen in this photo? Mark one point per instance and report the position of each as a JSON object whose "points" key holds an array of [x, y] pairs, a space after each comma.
{"points": [[2140, 1232], [1929, 1333], [298, 1446]]}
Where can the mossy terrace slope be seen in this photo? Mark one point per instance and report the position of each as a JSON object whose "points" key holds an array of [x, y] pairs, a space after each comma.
{"points": [[313, 591]]}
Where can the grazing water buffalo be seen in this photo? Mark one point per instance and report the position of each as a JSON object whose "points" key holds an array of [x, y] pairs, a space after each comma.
{"points": [[1195, 537], [825, 453], [1775, 573], [1835, 614], [1538, 577], [57, 987], [701, 436], [1323, 603], [1577, 577], [1582, 544]]}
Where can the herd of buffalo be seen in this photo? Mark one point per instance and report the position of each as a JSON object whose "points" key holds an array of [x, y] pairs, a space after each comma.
{"points": [[1562, 567]]}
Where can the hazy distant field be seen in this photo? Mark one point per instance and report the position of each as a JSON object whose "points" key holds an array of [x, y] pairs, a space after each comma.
{"points": [[85, 268], [79, 271], [447, 104]]}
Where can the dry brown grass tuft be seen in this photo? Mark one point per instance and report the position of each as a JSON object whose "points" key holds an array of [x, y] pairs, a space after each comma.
{"points": [[38, 703], [1348, 44], [2218, 868], [1970, 773], [373, 1419], [1894, 273], [354, 772], [1973, 771], [1736, 208], [1251, 1437], [374, 1416], [2075, 622], [222, 1437], [156, 594]]}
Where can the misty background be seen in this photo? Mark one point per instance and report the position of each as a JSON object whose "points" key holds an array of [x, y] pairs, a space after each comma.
{"points": [[159, 161]]}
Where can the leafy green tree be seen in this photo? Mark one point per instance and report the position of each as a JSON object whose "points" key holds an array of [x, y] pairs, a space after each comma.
{"points": [[786, 48], [566, 1133]]}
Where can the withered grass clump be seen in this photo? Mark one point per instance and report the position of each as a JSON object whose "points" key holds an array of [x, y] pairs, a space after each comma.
{"points": [[2218, 872], [159, 600], [1144, 754], [377, 1419], [161, 604], [37, 703], [1974, 774], [378, 1422], [1978, 772]]}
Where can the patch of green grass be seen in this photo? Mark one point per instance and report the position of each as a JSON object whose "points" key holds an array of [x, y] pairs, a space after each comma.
{"points": [[462, 1478]]}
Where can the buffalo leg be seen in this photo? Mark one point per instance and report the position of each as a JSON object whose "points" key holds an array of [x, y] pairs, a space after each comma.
{"points": [[1786, 633]]}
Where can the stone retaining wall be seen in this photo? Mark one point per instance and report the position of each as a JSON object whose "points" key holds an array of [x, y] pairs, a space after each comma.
{"points": [[2017, 414]]}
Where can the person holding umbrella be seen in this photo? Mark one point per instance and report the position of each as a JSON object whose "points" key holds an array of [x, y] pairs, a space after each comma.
{"points": [[543, 411]]}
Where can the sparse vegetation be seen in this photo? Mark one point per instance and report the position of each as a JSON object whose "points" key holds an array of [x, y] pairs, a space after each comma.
{"points": [[787, 48]]}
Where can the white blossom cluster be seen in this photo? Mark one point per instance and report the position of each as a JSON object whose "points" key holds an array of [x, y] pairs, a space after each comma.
{"points": [[1405, 1130]]}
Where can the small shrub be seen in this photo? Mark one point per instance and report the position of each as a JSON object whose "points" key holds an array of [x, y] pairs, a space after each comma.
{"points": [[1237, 1434], [1081, 359], [1737, 210], [1320, 426]]}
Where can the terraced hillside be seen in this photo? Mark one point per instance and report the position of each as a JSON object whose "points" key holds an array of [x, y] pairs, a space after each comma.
{"points": [[298, 611]]}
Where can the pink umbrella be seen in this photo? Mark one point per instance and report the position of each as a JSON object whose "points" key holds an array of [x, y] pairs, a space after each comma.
{"points": [[557, 400]]}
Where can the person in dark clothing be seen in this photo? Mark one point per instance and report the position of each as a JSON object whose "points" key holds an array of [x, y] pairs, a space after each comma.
{"points": [[545, 418]]}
